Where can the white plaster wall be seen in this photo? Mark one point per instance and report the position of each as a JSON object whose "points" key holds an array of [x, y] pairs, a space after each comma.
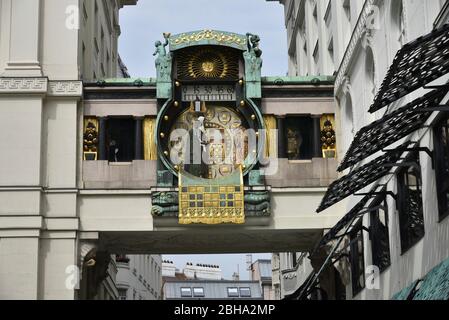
{"points": [[56, 34], [20, 203], [115, 211], [38, 138], [59, 204], [4, 34], [297, 210], [421, 258], [60, 143], [20, 132], [55, 256], [131, 211], [419, 17], [315, 106], [19, 268], [425, 255], [136, 108]]}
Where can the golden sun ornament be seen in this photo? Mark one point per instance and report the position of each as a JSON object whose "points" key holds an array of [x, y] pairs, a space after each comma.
{"points": [[207, 63]]}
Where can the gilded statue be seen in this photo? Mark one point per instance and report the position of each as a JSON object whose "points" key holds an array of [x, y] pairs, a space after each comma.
{"points": [[294, 142]]}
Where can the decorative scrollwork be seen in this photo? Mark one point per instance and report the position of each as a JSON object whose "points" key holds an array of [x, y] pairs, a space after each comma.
{"points": [[219, 37], [328, 138]]}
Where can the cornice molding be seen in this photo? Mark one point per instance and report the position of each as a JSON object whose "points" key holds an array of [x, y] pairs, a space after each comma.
{"points": [[41, 85], [65, 88], [23, 85]]}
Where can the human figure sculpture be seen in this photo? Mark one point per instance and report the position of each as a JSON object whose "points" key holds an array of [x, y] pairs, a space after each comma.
{"points": [[163, 60], [199, 141], [253, 64], [201, 134], [252, 41]]}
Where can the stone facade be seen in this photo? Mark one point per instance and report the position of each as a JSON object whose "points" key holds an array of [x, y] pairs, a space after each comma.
{"points": [[139, 277], [361, 39], [61, 217], [40, 99]]}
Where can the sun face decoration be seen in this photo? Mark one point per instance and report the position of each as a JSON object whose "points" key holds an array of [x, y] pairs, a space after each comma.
{"points": [[208, 67], [207, 63]]}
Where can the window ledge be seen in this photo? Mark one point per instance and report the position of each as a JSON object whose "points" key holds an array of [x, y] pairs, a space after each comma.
{"points": [[120, 163], [299, 161]]}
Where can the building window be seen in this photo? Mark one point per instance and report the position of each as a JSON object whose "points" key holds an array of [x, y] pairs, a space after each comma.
{"points": [[299, 136], [347, 21], [122, 294], [347, 9], [198, 292], [442, 166], [379, 234], [294, 260], [97, 48], [411, 219], [121, 258], [245, 292], [398, 22], [186, 292], [357, 259], [120, 139], [233, 292], [85, 15]]}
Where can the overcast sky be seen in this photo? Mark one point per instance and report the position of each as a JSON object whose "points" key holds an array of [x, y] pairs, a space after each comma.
{"points": [[143, 24]]}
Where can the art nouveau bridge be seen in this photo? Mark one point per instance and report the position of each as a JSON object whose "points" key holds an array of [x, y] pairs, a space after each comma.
{"points": [[80, 182]]}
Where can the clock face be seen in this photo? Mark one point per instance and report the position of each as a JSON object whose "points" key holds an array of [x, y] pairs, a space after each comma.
{"points": [[212, 92], [209, 145]]}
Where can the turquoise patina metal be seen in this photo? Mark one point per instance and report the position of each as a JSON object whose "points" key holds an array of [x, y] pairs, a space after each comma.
{"points": [[164, 66], [253, 67], [434, 286], [305, 80]]}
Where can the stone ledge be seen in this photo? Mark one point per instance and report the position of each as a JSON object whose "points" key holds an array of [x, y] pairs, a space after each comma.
{"points": [[318, 173], [41, 85], [21, 222], [23, 85], [65, 88]]}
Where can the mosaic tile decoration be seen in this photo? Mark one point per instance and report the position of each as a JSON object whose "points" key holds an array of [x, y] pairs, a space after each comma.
{"points": [[204, 201]]}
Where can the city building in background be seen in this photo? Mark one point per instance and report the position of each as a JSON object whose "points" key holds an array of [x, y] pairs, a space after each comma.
{"points": [[139, 277], [261, 271], [392, 151], [212, 290], [205, 282], [191, 271]]}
